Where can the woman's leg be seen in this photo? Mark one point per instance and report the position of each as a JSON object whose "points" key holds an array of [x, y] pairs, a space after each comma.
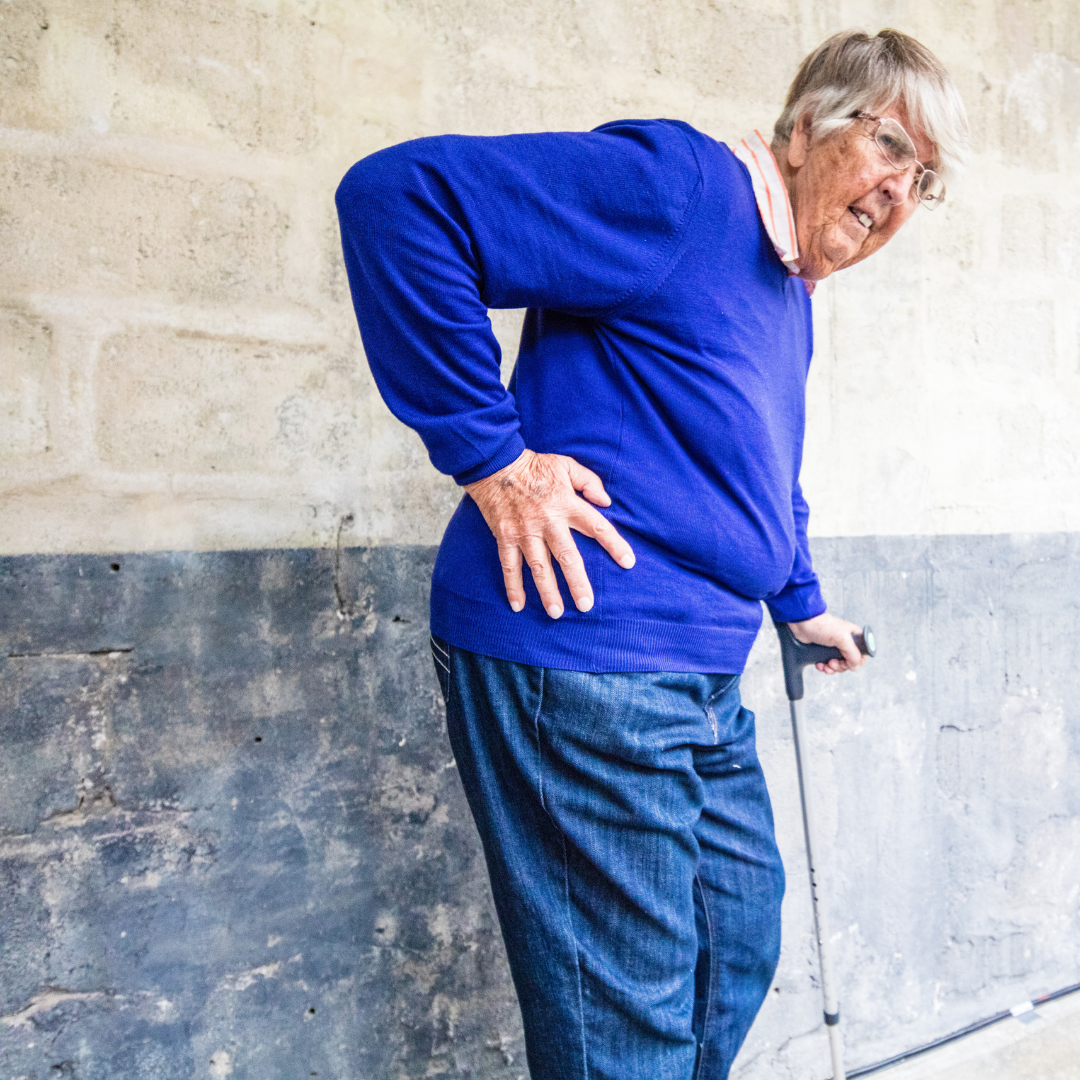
{"points": [[588, 800], [738, 889]]}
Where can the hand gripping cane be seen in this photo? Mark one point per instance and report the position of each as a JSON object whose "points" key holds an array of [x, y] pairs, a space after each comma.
{"points": [[796, 656]]}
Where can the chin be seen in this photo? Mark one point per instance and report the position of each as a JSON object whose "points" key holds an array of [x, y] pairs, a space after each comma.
{"points": [[819, 262], [814, 268]]}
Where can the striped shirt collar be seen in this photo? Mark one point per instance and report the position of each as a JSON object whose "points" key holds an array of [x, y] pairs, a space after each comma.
{"points": [[773, 203]]}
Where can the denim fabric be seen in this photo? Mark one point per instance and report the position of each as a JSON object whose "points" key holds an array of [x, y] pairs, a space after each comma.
{"points": [[629, 839]]}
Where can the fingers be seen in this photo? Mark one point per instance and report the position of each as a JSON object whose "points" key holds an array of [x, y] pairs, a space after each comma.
{"points": [[845, 642], [539, 562], [561, 545], [592, 523], [853, 659], [570, 562], [537, 552], [827, 629], [530, 507], [587, 482], [510, 559], [560, 542], [833, 667]]}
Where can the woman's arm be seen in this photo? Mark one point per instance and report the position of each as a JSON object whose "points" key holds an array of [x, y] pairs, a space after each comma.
{"points": [[438, 230]]}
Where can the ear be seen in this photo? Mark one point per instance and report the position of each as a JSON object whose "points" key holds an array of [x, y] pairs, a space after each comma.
{"points": [[799, 144]]}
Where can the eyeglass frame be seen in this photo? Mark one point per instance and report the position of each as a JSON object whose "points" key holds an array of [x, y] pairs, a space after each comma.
{"points": [[921, 170]]}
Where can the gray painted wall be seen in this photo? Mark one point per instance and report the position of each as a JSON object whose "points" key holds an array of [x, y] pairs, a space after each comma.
{"points": [[232, 840]]}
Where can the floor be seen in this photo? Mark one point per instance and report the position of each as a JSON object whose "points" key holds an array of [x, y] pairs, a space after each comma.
{"points": [[1047, 1048]]}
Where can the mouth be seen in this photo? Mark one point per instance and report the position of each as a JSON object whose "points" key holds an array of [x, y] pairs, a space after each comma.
{"points": [[862, 217]]}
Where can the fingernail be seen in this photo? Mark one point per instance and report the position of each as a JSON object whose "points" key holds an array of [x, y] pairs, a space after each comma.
{"points": [[516, 605], [627, 561], [555, 610], [584, 603]]}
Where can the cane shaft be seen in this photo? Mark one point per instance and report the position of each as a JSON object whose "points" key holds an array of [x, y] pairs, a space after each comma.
{"points": [[828, 983]]}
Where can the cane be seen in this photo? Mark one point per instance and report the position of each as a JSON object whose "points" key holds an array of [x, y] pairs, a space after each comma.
{"points": [[796, 656]]}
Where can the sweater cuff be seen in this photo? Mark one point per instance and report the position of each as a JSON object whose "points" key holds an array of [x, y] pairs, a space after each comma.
{"points": [[508, 453], [796, 603]]}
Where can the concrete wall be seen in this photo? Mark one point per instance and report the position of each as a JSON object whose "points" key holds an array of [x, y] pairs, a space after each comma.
{"points": [[183, 395], [183, 366]]}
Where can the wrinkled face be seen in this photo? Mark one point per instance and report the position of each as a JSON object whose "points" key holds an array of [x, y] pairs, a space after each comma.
{"points": [[848, 200]]}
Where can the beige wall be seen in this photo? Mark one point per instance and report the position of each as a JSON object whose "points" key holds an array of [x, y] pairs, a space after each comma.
{"points": [[180, 365]]}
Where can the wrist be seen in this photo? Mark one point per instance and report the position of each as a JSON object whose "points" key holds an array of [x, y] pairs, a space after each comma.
{"points": [[506, 454], [498, 478]]}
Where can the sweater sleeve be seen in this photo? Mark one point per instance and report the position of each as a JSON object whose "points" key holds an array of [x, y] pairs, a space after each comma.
{"points": [[438, 230], [800, 598]]}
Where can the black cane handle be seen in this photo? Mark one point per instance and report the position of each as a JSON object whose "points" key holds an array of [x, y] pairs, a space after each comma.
{"points": [[797, 655]]}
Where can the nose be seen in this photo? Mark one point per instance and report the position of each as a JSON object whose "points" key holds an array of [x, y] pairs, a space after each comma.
{"points": [[896, 186]]}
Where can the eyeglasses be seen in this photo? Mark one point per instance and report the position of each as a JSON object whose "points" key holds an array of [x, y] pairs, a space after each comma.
{"points": [[899, 151]]}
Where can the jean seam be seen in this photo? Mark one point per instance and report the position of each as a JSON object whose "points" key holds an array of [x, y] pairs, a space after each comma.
{"points": [[450, 680], [577, 957], [539, 751], [566, 874], [708, 979]]}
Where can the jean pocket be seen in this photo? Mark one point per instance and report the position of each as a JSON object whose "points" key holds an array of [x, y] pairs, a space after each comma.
{"points": [[440, 653]]}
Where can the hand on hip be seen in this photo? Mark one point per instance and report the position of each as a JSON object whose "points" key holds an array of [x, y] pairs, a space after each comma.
{"points": [[531, 506]]}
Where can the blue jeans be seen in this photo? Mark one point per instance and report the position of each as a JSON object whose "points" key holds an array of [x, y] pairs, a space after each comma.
{"points": [[629, 839]]}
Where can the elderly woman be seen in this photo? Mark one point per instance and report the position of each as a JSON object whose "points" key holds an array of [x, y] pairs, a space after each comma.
{"points": [[593, 705]]}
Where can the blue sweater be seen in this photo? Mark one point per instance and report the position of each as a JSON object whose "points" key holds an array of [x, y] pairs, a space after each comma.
{"points": [[665, 347]]}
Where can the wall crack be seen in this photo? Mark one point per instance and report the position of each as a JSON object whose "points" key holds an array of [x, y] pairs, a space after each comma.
{"points": [[344, 609]]}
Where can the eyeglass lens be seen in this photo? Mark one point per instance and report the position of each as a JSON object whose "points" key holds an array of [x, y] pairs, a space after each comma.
{"points": [[899, 151], [930, 189], [894, 143]]}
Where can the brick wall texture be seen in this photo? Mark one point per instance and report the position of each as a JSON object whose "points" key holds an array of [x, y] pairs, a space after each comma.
{"points": [[181, 367]]}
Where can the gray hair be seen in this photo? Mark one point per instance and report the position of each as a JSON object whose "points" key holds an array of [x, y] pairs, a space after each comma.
{"points": [[852, 72]]}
